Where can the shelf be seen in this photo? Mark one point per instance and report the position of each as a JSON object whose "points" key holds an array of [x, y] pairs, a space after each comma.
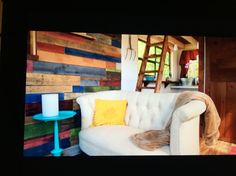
{"points": [[166, 83], [185, 87]]}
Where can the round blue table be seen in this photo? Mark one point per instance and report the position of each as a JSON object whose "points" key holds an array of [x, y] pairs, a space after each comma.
{"points": [[61, 116]]}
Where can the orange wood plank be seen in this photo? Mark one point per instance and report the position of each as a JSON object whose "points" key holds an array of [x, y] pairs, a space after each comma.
{"points": [[68, 59]]}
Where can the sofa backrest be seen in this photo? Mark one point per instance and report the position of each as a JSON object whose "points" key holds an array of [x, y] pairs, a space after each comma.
{"points": [[145, 110]]}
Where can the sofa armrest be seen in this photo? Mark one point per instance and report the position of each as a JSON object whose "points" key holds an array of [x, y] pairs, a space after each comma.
{"points": [[184, 132], [87, 110]]}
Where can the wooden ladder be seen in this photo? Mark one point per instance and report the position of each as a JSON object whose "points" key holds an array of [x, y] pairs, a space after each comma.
{"points": [[146, 55]]}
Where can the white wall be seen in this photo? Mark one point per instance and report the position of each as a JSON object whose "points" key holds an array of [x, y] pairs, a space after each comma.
{"points": [[129, 68]]}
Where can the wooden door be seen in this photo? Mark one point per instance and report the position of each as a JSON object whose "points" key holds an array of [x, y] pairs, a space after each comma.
{"points": [[221, 82]]}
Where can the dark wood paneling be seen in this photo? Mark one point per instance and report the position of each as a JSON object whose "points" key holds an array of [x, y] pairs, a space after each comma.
{"points": [[221, 82]]}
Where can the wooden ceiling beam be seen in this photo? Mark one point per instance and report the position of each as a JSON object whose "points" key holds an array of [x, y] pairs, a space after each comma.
{"points": [[190, 39], [190, 47]]}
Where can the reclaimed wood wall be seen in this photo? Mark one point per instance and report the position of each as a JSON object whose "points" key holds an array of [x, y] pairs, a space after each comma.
{"points": [[69, 65]]}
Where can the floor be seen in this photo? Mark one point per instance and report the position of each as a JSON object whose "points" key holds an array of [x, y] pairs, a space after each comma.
{"points": [[221, 148]]}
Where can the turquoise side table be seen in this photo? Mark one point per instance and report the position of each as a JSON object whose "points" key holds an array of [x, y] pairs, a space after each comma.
{"points": [[61, 116]]}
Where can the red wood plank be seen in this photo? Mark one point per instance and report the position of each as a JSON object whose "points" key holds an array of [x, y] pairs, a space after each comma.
{"points": [[50, 47], [115, 83], [45, 139], [29, 66]]}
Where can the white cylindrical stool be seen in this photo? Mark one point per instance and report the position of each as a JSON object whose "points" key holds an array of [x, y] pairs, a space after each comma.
{"points": [[50, 105]]}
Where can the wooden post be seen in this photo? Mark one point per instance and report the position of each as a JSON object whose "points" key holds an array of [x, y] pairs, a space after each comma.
{"points": [[143, 65], [162, 63], [33, 46]]}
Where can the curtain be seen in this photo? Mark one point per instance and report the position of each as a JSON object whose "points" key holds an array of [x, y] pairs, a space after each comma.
{"points": [[185, 57]]}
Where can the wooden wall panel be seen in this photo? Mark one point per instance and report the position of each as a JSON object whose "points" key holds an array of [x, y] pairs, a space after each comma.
{"points": [[221, 82], [71, 66], [66, 40]]}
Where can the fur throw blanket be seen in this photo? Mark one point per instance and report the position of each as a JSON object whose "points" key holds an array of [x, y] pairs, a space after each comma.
{"points": [[153, 139]]}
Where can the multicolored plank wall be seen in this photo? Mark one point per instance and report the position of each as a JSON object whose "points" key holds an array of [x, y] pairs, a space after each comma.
{"points": [[69, 65]]}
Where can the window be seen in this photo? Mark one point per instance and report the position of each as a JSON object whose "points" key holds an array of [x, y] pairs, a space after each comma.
{"points": [[153, 63]]}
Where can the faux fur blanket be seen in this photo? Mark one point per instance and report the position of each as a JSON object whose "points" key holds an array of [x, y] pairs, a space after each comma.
{"points": [[152, 139]]}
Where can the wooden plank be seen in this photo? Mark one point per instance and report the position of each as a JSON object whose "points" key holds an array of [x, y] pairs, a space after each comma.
{"points": [[161, 65], [115, 83], [45, 139], [30, 120], [113, 70], [78, 89], [96, 78], [51, 79], [70, 41], [47, 67], [33, 46], [72, 95], [35, 108], [74, 132], [45, 149], [77, 52], [89, 83], [45, 128], [99, 88], [29, 67], [83, 34], [101, 38], [39, 129], [111, 65], [68, 59], [50, 48], [46, 89], [70, 123], [116, 43], [36, 97], [113, 75]]}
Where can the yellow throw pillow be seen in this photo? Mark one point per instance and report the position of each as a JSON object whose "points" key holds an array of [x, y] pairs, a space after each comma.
{"points": [[109, 112]]}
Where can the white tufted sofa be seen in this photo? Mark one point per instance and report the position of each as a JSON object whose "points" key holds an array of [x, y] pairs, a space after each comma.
{"points": [[145, 111]]}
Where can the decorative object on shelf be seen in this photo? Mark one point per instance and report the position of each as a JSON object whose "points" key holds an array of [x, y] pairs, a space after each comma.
{"points": [[130, 51], [186, 81], [50, 105]]}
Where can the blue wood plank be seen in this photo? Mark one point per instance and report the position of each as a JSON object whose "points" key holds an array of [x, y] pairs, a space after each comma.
{"points": [[77, 52], [116, 43], [78, 89], [66, 69], [89, 82], [34, 98], [45, 149]]}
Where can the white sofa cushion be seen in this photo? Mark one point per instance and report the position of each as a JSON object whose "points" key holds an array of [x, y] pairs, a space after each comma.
{"points": [[144, 111], [114, 140]]}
